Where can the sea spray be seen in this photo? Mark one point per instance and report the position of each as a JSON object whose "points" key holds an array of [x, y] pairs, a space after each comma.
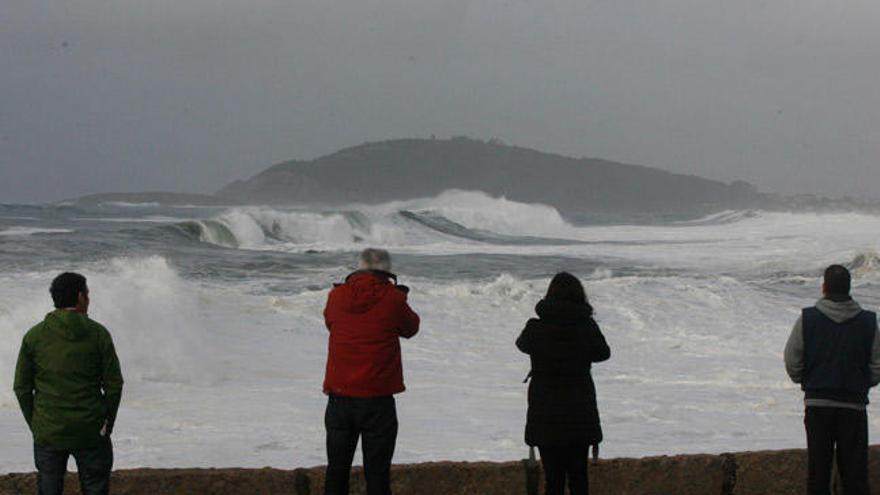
{"points": [[24, 301], [155, 318], [152, 314]]}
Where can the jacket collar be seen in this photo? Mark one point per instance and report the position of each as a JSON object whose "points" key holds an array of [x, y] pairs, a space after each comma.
{"points": [[375, 273]]}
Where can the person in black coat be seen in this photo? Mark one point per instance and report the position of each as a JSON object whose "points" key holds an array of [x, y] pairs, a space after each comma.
{"points": [[563, 417]]}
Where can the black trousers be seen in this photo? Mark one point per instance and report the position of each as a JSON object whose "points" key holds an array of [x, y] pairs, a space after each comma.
{"points": [[94, 466], [845, 431], [565, 462], [374, 421]]}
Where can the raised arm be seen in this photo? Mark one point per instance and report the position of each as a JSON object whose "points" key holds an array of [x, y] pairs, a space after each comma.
{"points": [[330, 308], [24, 381], [524, 341], [408, 320], [597, 345], [875, 359]]}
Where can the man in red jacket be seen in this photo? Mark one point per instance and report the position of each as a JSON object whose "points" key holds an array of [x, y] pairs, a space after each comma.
{"points": [[366, 317]]}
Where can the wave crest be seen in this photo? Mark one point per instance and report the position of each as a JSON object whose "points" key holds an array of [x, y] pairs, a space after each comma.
{"points": [[865, 263], [262, 228], [28, 231], [454, 215], [722, 218]]}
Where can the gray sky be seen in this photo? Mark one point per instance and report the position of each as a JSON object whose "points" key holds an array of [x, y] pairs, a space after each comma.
{"points": [[186, 95]]}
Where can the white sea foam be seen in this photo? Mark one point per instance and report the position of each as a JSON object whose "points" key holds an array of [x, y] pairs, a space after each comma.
{"points": [[146, 219], [723, 217], [224, 373], [26, 231], [386, 224], [480, 211], [267, 228], [128, 204], [464, 222]]}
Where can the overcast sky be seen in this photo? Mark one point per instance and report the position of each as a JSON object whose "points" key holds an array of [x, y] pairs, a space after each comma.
{"points": [[187, 95]]}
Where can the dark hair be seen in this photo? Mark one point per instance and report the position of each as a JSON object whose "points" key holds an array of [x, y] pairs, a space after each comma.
{"points": [[66, 288], [567, 287], [838, 280]]}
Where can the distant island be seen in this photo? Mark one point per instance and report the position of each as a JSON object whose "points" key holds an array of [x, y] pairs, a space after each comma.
{"points": [[404, 169], [412, 168]]}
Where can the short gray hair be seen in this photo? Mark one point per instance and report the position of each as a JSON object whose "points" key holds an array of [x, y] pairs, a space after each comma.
{"points": [[375, 259]]}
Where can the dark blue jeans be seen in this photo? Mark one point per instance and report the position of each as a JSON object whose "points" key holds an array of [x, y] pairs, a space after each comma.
{"points": [[374, 421], [94, 466]]}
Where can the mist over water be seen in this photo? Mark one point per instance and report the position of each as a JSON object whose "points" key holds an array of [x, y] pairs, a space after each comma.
{"points": [[216, 315]]}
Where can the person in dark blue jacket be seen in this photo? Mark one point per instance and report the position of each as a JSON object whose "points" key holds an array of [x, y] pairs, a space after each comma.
{"points": [[834, 354], [563, 418]]}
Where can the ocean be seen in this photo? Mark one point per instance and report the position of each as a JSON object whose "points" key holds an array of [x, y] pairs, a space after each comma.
{"points": [[217, 318]]}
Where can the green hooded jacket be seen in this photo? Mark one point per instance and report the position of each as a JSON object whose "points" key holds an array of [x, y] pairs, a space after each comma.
{"points": [[68, 381]]}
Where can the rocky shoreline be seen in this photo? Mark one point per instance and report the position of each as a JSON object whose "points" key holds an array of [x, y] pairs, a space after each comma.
{"points": [[749, 473]]}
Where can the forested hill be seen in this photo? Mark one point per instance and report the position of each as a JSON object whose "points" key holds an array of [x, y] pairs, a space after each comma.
{"points": [[412, 168]]}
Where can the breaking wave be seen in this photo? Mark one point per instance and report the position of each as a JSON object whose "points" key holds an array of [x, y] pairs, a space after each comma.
{"points": [[260, 228], [453, 216], [722, 218], [26, 231], [865, 263]]}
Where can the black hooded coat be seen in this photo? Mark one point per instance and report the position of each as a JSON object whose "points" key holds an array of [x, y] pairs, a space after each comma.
{"points": [[563, 343]]}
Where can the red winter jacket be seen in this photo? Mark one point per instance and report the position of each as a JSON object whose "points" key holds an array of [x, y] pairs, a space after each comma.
{"points": [[366, 316]]}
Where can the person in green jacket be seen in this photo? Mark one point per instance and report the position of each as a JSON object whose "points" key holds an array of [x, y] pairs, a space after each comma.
{"points": [[68, 383]]}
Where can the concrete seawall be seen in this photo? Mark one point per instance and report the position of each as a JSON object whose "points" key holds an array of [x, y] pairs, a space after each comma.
{"points": [[750, 473]]}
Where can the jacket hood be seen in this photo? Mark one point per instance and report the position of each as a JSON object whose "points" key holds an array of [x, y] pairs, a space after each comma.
{"points": [[69, 325], [839, 311], [565, 312], [366, 289]]}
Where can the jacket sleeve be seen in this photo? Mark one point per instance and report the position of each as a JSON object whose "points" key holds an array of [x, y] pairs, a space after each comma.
{"points": [[794, 352], [598, 346], [111, 378], [328, 309], [875, 359], [24, 381], [407, 320], [524, 341]]}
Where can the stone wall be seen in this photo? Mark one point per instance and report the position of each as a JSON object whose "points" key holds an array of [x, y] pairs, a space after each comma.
{"points": [[751, 473]]}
